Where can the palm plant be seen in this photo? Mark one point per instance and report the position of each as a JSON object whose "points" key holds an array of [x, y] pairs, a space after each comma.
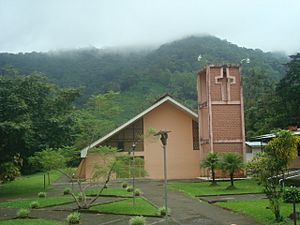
{"points": [[212, 162], [231, 163]]}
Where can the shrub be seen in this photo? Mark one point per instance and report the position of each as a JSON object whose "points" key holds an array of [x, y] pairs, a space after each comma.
{"points": [[138, 192], [34, 205], [129, 189], [124, 185], [137, 220], [42, 194], [163, 211], [74, 218], [67, 191], [23, 213], [8, 172], [290, 194]]}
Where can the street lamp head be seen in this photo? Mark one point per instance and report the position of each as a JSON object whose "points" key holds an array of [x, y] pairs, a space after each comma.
{"points": [[163, 136]]}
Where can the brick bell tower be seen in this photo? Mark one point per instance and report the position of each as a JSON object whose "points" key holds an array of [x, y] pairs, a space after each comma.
{"points": [[220, 110]]}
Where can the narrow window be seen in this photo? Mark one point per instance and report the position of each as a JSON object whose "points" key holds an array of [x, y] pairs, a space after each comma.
{"points": [[195, 128]]}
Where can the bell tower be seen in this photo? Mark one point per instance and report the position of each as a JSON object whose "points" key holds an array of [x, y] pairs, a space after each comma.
{"points": [[221, 110]]}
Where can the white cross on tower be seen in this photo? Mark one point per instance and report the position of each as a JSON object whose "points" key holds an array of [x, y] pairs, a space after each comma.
{"points": [[225, 80]]}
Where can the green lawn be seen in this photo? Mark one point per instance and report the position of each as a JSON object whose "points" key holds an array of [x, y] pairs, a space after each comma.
{"points": [[142, 207], [110, 191], [26, 185], [257, 209], [203, 188], [48, 201], [30, 222]]}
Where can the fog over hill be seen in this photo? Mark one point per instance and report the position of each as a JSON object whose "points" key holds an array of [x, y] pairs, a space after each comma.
{"points": [[144, 73]]}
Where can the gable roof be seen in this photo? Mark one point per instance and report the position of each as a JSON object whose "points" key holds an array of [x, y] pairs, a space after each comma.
{"points": [[162, 100]]}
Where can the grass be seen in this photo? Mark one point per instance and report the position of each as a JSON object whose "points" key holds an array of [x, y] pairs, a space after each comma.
{"points": [[203, 188], [110, 191], [257, 209], [125, 207], [30, 222], [43, 202], [26, 185]]}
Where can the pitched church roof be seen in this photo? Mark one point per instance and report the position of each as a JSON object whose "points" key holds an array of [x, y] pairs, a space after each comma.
{"points": [[160, 101]]}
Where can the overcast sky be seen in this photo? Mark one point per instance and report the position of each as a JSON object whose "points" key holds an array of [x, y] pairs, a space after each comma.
{"points": [[42, 25]]}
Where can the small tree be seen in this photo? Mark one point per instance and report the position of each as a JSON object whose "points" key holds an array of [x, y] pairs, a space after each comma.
{"points": [[231, 163], [110, 165], [269, 167], [212, 162], [49, 159]]}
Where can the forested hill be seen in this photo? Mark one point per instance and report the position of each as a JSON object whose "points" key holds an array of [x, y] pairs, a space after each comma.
{"points": [[142, 75]]}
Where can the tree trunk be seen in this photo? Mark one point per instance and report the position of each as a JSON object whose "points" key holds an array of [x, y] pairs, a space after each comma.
{"points": [[277, 215], [231, 179], [213, 175]]}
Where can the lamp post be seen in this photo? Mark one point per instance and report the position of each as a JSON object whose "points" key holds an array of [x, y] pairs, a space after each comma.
{"points": [[163, 138], [133, 173]]}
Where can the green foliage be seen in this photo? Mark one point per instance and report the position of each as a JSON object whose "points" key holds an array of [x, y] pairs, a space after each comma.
{"points": [[288, 91], [291, 194], [124, 185], [109, 191], [97, 118], [259, 210], [129, 189], [212, 162], [67, 191], [143, 76], [231, 163], [259, 100], [269, 166], [203, 189], [23, 213], [42, 194], [48, 159], [137, 220], [34, 205], [73, 218], [163, 211], [138, 192], [37, 115], [26, 185], [43, 202], [8, 172], [284, 146]]}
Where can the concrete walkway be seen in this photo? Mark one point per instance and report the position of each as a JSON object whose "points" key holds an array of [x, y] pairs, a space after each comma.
{"points": [[190, 211]]}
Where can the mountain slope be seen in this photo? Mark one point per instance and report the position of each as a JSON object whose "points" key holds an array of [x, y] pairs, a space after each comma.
{"points": [[141, 76]]}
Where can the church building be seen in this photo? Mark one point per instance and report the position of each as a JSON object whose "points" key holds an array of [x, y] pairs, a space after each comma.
{"points": [[218, 126]]}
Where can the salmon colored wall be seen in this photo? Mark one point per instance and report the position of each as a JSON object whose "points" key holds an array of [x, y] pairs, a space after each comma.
{"points": [[87, 165], [182, 160]]}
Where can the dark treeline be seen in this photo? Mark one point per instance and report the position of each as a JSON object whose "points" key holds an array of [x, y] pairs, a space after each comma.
{"points": [[129, 81]]}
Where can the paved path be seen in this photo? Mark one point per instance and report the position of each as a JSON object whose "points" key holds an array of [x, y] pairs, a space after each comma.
{"points": [[190, 211]]}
